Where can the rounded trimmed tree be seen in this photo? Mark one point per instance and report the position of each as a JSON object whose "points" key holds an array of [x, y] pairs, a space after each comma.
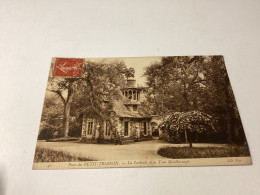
{"points": [[188, 123]]}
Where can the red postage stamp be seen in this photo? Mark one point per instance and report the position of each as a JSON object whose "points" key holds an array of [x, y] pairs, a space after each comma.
{"points": [[68, 67]]}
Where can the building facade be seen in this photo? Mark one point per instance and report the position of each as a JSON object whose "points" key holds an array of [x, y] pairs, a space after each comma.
{"points": [[131, 123]]}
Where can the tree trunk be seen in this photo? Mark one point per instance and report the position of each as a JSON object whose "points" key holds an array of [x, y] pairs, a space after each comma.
{"points": [[67, 103], [190, 144], [186, 138], [66, 120], [189, 138], [67, 113]]}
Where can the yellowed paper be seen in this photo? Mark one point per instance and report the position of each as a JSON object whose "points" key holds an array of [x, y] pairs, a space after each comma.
{"points": [[139, 112]]}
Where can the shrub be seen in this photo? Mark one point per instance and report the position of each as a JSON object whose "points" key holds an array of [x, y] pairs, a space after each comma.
{"points": [[165, 137], [46, 133], [203, 152], [75, 129]]}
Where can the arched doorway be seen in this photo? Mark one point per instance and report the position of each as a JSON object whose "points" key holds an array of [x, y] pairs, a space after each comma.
{"points": [[155, 130]]}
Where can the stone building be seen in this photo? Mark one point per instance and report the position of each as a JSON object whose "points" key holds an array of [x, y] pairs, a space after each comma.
{"points": [[130, 121]]}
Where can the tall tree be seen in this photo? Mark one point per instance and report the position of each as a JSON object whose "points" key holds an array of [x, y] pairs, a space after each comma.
{"points": [[173, 82], [194, 83], [100, 87], [220, 98], [64, 88]]}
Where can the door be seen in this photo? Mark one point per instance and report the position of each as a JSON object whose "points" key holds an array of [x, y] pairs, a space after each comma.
{"points": [[126, 129]]}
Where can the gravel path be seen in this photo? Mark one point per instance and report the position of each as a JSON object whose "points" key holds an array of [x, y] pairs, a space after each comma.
{"points": [[134, 151]]}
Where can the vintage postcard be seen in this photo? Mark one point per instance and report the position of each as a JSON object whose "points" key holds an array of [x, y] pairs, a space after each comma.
{"points": [[139, 112]]}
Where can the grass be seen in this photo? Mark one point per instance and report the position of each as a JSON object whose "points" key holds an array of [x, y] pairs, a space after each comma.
{"points": [[48, 155], [203, 152]]}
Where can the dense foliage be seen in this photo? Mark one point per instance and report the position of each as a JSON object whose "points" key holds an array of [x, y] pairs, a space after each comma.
{"points": [[46, 133], [176, 86], [92, 93], [188, 122], [198, 83], [192, 121]]}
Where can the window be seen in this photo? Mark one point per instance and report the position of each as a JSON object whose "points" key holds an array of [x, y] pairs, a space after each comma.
{"points": [[126, 129], [134, 107], [145, 129], [134, 95], [90, 128], [130, 95], [107, 129]]}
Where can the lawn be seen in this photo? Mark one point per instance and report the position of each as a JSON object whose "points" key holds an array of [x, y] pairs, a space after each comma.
{"points": [[48, 155], [203, 152]]}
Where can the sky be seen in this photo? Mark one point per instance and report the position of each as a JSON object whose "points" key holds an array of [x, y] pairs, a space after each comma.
{"points": [[138, 63]]}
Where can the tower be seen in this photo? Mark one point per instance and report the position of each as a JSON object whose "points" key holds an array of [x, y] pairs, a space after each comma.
{"points": [[132, 93]]}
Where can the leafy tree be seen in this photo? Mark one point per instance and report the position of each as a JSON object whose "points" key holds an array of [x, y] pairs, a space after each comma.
{"points": [[173, 82], [220, 99], [100, 87], [52, 113], [187, 122], [179, 84], [64, 88], [130, 72]]}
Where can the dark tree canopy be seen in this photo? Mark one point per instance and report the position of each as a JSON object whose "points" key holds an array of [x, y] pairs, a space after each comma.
{"points": [[196, 83], [99, 85]]}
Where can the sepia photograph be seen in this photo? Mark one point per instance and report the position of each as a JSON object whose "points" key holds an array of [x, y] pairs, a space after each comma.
{"points": [[139, 112], [129, 97]]}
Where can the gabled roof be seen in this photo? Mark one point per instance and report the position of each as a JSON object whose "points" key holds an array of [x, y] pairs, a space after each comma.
{"points": [[122, 110], [127, 101]]}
